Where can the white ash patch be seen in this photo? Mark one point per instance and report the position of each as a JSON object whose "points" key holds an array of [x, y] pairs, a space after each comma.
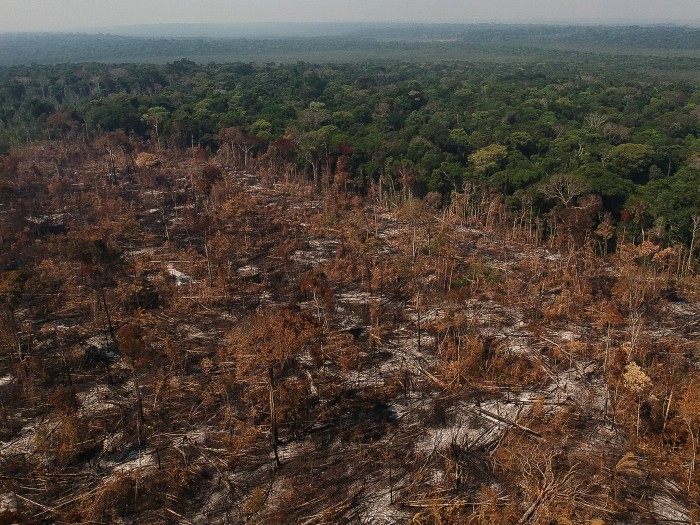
{"points": [[8, 502], [192, 331], [473, 426], [351, 322], [566, 336], [520, 344], [114, 443], [388, 233], [319, 251], [604, 437], [100, 348], [308, 258], [197, 436], [323, 244], [210, 513], [573, 385], [471, 231], [250, 180], [95, 400], [510, 409], [295, 450], [54, 219], [461, 432], [546, 254], [408, 342], [6, 380], [145, 251], [181, 278], [313, 389], [393, 357], [489, 311], [353, 297], [249, 271], [139, 462], [366, 378], [428, 316], [666, 509], [682, 309], [509, 406], [378, 509], [22, 444]]}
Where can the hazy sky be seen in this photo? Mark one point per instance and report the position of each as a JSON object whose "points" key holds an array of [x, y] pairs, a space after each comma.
{"points": [[43, 15]]}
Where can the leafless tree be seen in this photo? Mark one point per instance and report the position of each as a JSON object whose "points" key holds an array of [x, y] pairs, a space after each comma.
{"points": [[595, 120], [564, 188]]}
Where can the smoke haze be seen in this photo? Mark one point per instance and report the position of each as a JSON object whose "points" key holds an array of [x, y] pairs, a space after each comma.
{"points": [[63, 15]]}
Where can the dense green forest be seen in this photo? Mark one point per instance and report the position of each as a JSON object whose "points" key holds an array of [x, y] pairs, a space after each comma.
{"points": [[622, 127]]}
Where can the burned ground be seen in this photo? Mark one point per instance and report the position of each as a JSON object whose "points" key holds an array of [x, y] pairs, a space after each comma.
{"points": [[416, 364]]}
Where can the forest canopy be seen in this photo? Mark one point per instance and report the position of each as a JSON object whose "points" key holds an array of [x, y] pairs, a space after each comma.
{"points": [[621, 124]]}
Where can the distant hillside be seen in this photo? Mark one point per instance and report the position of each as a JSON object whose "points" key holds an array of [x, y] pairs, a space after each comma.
{"points": [[346, 43], [240, 30]]}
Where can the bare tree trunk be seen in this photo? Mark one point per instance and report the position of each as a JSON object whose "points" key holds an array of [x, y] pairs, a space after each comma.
{"points": [[317, 177], [274, 438], [59, 347], [696, 227], [206, 252], [668, 409], [413, 244], [139, 404], [691, 467], [109, 319], [14, 328], [418, 318], [112, 166]]}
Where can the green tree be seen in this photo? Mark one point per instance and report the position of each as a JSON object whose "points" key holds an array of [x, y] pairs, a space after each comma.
{"points": [[631, 161], [317, 147], [261, 128], [155, 117], [486, 160], [676, 199]]}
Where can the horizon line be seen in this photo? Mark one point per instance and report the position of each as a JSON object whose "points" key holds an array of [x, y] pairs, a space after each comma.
{"points": [[693, 24]]}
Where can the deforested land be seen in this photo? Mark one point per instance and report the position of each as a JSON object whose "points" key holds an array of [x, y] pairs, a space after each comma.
{"points": [[376, 291]]}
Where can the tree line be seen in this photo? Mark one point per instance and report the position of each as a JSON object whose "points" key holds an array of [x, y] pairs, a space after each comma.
{"points": [[609, 127]]}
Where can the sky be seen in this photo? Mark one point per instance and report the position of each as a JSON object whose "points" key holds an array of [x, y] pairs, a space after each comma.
{"points": [[61, 15]]}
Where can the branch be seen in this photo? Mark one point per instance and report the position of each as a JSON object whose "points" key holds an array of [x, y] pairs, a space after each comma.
{"points": [[483, 412]]}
